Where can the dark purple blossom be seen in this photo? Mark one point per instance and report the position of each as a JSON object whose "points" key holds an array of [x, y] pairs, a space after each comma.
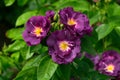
{"points": [[37, 28], [109, 63], [63, 46], [76, 22], [50, 14]]}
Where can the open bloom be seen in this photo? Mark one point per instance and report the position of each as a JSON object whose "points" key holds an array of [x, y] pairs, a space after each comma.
{"points": [[109, 63], [76, 22], [63, 46], [36, 29]]}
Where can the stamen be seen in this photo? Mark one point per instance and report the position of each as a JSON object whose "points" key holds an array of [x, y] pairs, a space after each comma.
{"points": [[37, 31], [110, 68], [71, 22], [64, 46]]}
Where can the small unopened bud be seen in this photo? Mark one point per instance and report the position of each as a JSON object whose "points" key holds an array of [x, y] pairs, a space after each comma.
{"points": [[55, 18]]}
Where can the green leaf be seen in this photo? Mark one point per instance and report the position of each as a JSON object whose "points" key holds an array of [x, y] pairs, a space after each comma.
{"points": [[6, 62], [17, 45], [38, 68], [12, 33], [94, 19], [34, 62], [24, 17], [22, 2], [116, 9], [15, 56], [46, 69], [29, 54], [83, 68], [28, 74], [40, 49], [76, 4], [87, 45], [94, 75], [9, 2], [117, 30], [114, 20], [29, 71], [7, 66], [114, 37], [103, 30], [26, 53], [64, 72]]}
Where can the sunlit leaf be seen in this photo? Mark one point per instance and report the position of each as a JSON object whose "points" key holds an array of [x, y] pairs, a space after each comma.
{"points": [[46, 69], [15, 56], [9, 2], [117, 30], [116, 9], [17, 45], [34, 62], [15, 33], [26, 53], [103, 30]]}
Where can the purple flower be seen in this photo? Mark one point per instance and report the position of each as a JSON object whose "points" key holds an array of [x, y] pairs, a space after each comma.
{"points": [[111, 55], [109, 63], [76, 22], [63, 46], [37, 28], [50, 14]]}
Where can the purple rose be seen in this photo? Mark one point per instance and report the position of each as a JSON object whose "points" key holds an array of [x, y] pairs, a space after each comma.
{"points": [[63, 46], [50, 14], [37, 28], [109, 63], [76, 22]]}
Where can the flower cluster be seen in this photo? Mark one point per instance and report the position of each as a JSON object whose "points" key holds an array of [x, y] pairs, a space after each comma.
{"points": [[108, 63], [63, 45]]}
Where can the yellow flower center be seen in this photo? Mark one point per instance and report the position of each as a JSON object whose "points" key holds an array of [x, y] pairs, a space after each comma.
{"points": [[64, 46], [110, 68], [71, 22], [37, 31]]}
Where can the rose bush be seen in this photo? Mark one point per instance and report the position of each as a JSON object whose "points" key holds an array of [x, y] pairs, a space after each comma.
{"points": [[63, 40]]}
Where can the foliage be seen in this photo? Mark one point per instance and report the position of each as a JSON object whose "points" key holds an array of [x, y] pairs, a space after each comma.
{"points": [[21, 62]]}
